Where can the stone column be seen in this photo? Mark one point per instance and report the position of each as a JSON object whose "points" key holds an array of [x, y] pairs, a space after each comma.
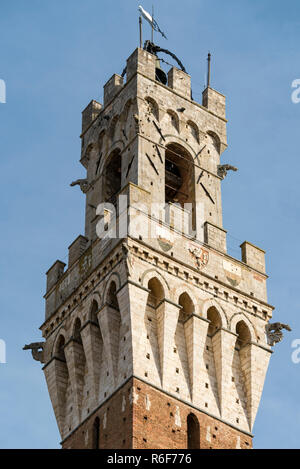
{"points": [[195, 329], [93, 346], [76, 363], [109, 320], [56, 374], [223, 343], [254, 363], [167, 317]]}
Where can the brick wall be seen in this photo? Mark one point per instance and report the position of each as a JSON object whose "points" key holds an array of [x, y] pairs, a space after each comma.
{"points": [[139, 416]]}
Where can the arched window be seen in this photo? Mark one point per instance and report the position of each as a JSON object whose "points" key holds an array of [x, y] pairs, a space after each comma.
{"points": [[187, 307], [156, 293], [60, 352], [76, 331], [112, 299], [192, 130], [96, 433], [244, 336], [179, 175], [215, 320], [152, 107], [112, 178], [173, 119], [193, 432], [93, 313]]}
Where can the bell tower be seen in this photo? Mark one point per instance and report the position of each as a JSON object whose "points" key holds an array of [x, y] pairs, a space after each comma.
{"points": [[154, 336]]}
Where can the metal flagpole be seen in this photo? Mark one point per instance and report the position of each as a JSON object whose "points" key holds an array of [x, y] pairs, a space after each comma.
{"points": [[152, 32], [141, 32], [208, 70]]}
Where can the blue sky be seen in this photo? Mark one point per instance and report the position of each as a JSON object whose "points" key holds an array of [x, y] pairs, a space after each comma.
{"points": [[55, 57]]}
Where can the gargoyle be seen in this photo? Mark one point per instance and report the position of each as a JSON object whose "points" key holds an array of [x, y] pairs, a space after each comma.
{"points": [[223, 168], [274, 332], [83, 183], [37, 351]]}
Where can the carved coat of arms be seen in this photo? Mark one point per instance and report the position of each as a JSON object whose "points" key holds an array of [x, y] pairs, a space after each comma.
{"points": [[233, 272], [200, 255], [164, 238]]}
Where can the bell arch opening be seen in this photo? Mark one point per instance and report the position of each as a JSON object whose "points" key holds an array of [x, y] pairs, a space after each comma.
{"points": [[112, 177], [180, 180], [179, 175]]}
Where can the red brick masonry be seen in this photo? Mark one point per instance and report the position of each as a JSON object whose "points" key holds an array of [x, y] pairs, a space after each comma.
{"points": [[125, 423]]}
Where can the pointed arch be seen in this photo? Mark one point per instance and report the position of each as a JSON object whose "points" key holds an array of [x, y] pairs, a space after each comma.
{"points": [[113, 277], [171, 138], [60, 334], [101, 137], [111, 296], [193, 130], [125, 111], [148, 274], [112, 131], [215, 319], [173, 118], [215, 139], [59, 347], [187, 305], [213, 303], [93, 311], [91, 150], [112, 176], [179, 177], [76, 329], [237, 317], [243, 334], [152, 107], [185, 289]]}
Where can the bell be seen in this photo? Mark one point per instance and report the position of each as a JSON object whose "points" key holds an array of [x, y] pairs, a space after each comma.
{"points": [[160, 74]]}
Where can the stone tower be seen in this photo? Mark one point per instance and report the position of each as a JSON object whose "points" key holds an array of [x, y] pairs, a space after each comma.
{"points": [[154, 336]]}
